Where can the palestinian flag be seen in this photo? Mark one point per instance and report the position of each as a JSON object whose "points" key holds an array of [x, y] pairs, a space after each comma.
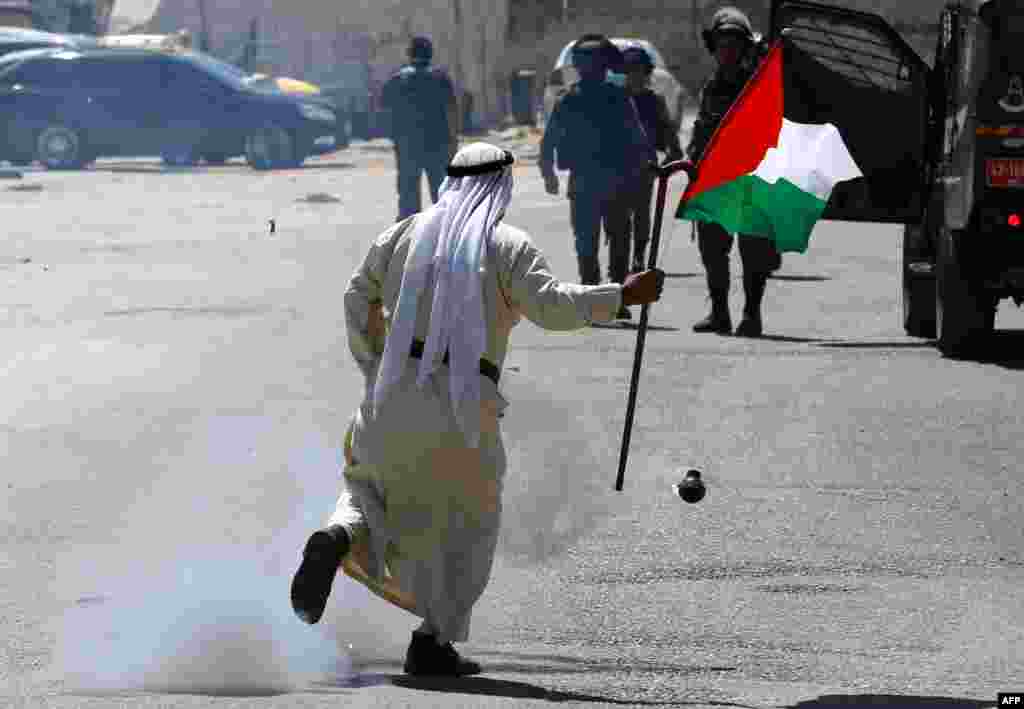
{"points": [[763, 172]]}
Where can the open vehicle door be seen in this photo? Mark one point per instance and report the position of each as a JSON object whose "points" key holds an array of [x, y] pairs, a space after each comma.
{"points": [[864, 78]]}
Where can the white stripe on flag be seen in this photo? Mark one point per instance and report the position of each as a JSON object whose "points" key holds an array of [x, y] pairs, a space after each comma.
{"points": [[811, 156]]}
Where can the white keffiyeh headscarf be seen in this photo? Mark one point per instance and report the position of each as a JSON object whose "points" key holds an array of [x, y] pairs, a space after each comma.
{"points": [[449, 245]]}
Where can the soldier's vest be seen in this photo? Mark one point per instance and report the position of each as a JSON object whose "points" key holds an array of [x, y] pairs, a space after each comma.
{"points": [[719, 93]]}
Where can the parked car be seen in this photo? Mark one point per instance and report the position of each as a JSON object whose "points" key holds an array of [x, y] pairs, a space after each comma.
{"points": [[181, 41], [564, 76], [66, 108], [16, 39]]}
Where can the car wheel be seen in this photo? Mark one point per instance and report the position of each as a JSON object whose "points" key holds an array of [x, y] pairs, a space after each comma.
{"points": [[179, 157], [918, 289], [988, 317], [343, 132], [59, 147], [270, 148], [961, 307]]}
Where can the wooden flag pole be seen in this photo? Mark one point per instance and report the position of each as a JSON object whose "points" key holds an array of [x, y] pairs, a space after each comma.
{"points": [[663, 172]]}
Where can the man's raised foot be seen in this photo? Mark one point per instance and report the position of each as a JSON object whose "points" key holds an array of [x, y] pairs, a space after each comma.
{"points": [[320, 560]]}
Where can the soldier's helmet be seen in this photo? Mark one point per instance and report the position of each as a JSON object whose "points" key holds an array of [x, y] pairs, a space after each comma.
{"points": [[592, 50], [728, 20], [421, 49], [637, 57]]}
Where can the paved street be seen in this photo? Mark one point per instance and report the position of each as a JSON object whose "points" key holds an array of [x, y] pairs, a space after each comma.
{"points": [[176, 382]]}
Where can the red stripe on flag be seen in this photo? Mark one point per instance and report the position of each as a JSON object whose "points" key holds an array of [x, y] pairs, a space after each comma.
{"points": [[750, 127]]}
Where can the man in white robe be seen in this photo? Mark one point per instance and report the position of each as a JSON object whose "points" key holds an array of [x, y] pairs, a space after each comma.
{"points": [[428, 314]]}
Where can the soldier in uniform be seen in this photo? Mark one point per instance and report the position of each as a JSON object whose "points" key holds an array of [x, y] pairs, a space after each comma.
{"points": [[421, 101], [731, 40], [596, 134], [660, 132]]}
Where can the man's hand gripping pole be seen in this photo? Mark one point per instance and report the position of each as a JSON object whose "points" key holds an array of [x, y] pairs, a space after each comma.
{"points": [[663, 172]]}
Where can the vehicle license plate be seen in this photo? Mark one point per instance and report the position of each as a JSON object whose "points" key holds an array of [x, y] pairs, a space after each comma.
{"points": [[1004, 172]]}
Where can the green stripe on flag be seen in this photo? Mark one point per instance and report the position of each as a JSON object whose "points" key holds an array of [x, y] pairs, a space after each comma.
{"points": [[780, 211]]}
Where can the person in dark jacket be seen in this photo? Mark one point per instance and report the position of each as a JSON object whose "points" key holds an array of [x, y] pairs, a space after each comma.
{"points": [[596, 135], [421, 101], [731, 40], [660, 132]]}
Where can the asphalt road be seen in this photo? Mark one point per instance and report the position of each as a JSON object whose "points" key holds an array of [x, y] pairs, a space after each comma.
{"points": [[176, 381]]}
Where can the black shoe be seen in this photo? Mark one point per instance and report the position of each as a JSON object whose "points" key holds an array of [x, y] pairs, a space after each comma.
{"points": [[624, 314], [425, 657], [750, 326], [718, 323], [638, 267], [320, 560]]}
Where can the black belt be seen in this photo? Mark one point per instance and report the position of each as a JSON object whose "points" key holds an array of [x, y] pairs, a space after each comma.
{"points": [[487, 369]]}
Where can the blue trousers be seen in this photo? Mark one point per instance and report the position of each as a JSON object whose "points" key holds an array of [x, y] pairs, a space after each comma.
{"points": [[413, 161], [596, 199]]}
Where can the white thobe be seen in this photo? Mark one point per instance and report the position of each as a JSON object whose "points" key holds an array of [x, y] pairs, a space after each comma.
{"points": [[418, 501]]}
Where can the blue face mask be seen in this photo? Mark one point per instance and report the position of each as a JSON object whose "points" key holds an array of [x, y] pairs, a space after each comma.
{"points": [[613, 77]]}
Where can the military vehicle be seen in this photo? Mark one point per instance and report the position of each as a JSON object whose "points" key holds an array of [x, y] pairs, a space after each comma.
{"points": [[946, 146]]}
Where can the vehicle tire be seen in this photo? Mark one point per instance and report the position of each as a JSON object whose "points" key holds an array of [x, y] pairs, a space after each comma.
{"points": [[961, 306], [342, 131], [990, 315], [179, 157], [59, 147], [215, 158], [918, 305], [270, 148]]}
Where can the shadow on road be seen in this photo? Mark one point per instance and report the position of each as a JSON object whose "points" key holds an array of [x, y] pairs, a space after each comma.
{"points": [[522, 690], [895, 345], [798, 278], [632, 325], [325, 166], [783, 338], [1004, 348], [160, 169], [889, 701], [534, 663], [683, 274]]}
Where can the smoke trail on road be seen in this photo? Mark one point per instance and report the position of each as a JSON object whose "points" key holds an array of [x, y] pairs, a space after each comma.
{"points": [[216, 619], [166, 609]]}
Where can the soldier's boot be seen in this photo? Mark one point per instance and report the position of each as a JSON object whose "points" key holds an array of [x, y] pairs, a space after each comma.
{"points": [[753, 287], [718, 320]]}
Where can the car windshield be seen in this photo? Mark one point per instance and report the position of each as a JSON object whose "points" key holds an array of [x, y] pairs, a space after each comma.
{"points": [[230, 74]]}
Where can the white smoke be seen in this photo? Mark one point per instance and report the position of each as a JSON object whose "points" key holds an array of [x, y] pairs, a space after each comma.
{"points": [[205, 618], [165, 609]]}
